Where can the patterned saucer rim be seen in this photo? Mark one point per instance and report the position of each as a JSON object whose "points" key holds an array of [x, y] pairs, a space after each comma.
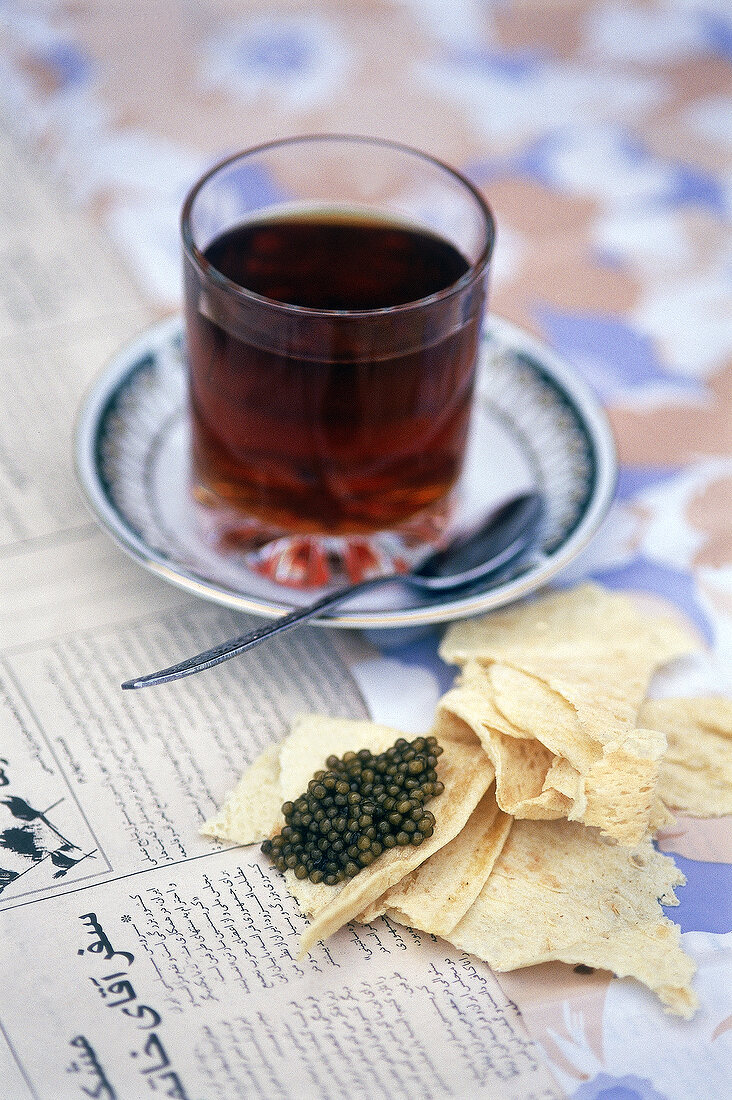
{"points": [[571, 390]]}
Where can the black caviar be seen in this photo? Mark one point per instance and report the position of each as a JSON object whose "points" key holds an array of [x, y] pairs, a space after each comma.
{"points": [[361, 806]]}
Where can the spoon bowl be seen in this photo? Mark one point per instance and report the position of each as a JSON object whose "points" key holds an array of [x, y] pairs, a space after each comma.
{"points": [[480, 551]]}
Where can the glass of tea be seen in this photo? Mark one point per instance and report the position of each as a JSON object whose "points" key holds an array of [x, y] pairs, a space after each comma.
{"points": [[334, 290]]}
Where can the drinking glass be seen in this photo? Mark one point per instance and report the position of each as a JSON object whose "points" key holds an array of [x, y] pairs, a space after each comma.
{"points": [[334, 291]]}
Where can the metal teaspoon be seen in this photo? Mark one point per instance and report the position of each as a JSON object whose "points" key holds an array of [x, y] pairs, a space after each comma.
{"points": [[472, 555]]}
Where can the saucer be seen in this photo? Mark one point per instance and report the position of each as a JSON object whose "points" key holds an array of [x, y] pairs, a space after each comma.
{"points": [[536, 425]]}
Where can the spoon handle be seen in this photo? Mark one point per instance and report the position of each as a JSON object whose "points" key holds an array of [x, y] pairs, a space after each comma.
{"points": [[226, 650]]}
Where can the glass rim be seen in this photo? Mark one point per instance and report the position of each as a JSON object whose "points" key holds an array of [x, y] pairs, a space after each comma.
{"points": [[197, 257]]}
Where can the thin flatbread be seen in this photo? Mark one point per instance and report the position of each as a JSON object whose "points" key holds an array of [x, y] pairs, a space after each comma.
{"points": [[563, 778], [577, 620], [616, 793], [522, 700], [695, 775], [313, 738], [559, 891], [521, 764], [571, 670], [467, 773], [605, 687], [594, 649], [621, 788], [439, 893], [252, 811]]}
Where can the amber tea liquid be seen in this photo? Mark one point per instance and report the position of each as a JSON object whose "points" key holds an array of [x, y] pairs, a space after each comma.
{"points": [[339, 422]]}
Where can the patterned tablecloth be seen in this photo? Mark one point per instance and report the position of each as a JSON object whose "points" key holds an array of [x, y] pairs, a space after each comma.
{"points": [[600, 133]]}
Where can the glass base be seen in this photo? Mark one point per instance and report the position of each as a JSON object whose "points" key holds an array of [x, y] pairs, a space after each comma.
{"points": [[314, 561]]}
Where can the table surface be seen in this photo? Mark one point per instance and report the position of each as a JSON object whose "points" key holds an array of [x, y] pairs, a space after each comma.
{"points": [[600, 133]]}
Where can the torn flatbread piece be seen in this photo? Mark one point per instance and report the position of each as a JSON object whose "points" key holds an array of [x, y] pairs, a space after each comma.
{"points": [[522, 700], [313, 739], [577, 620], [695, 774], [572, 684], [563, 778], [620, 789], [559, 891], [604, 688], [467, 773], [522, 765], [571, 670], [439, 893], [575, 616], [252, 811], [615, 793]]}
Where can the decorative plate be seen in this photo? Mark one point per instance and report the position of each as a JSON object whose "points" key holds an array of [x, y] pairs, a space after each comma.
{"points": [[536, 425]]}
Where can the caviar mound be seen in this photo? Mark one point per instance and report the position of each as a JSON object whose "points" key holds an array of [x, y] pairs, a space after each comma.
{"points": [[360, 806]]}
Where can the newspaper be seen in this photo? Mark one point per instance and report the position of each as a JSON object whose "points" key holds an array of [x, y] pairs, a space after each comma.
{"points": [[137, 957]]}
